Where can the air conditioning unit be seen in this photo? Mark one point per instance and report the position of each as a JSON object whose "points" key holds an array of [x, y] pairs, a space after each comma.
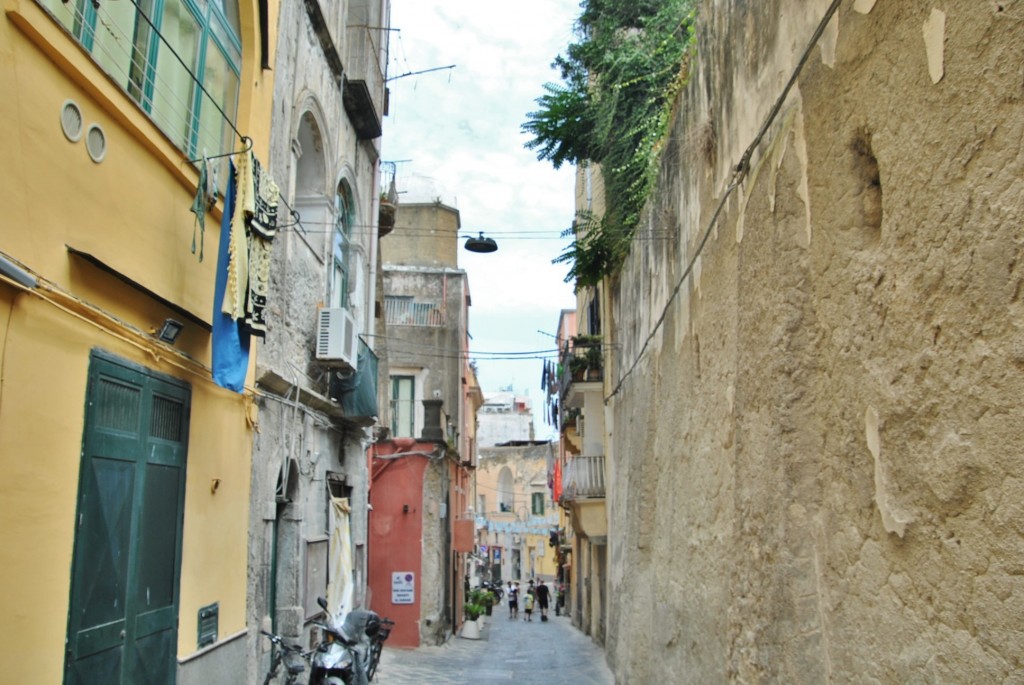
{"points": [[336, 338]]}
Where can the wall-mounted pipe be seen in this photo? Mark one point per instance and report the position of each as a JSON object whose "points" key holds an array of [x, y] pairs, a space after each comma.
{"points": [[16, 273]]}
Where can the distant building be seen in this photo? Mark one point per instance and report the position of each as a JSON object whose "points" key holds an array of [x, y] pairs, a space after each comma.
{"points": [[505, 417], [516, 514], [421, 528]]}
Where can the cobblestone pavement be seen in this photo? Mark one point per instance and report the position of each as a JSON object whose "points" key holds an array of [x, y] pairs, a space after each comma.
{"points": [[533, 653]]}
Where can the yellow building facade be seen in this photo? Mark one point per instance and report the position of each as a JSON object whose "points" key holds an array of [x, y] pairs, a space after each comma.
{"points": [[515, 513], [125, 501]]}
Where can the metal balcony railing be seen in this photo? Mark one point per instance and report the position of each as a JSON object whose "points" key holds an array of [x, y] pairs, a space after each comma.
{"points": [[581, 362], [583, 478], [405, 311]]}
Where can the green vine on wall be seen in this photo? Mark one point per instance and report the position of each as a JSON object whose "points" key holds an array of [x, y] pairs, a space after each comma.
{"points": [[619, 82]]}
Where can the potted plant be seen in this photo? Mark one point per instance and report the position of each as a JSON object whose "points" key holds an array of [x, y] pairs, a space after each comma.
{"points": [[571, 417], [594, 362], [577, 367], [586, 340], [386, 214], [484, 599], [471, 628]]}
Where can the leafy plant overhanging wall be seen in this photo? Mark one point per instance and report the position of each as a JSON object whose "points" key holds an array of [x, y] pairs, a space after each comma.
{"points": [[619, 82]]}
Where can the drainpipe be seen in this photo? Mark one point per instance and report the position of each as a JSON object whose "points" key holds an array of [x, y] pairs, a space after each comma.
{"points": [[273, 576]]}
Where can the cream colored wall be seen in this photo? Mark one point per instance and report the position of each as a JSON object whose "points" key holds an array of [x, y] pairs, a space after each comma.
{"points": [[424, 235], [819, 457], [547, 565], [132, 212]]}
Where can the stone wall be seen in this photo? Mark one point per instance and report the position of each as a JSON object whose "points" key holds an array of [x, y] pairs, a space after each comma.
{"points": [[815, 469], [313, 149], [435, 621]]}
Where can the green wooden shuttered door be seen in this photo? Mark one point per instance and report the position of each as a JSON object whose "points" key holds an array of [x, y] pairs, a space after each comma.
{"points": [[122, 623]]}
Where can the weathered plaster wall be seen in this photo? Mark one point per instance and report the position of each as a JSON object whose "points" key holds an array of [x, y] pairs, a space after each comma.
{"points": [[434, 618], [396, 533], [425, 235], [815, 472], [412, 346], [313, 149]]}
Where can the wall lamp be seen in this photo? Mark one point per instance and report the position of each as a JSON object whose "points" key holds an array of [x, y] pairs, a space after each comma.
{"points": [[481, 244], [170, 330]]}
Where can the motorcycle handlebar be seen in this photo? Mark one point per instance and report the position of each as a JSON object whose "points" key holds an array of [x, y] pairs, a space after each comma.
{"points": [[278, 640]]}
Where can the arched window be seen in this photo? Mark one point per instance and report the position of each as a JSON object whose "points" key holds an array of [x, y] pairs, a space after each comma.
{"points": [[342, 236], [506, 490], [164, 53]]}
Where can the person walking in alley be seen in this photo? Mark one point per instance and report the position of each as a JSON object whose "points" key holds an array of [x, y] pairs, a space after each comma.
{"points": [[513, 600], [543, 596], [528, 605]]}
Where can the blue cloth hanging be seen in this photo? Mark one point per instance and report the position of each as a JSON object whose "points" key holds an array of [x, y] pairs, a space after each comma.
{"points": [[230, 343]]}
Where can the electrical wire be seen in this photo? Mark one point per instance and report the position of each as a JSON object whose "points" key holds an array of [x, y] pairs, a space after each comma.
{"points": [[399, 346], [391, 340], [739, 173]]}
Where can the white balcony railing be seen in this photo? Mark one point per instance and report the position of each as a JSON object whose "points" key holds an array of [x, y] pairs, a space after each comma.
{"points": [[583, 478], [405, 311]]}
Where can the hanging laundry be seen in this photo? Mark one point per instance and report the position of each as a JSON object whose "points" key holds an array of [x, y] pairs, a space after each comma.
{"points": [[201, 204], [253, 227], [262, 229], [266, 196], [230, 354], [238, 248]]}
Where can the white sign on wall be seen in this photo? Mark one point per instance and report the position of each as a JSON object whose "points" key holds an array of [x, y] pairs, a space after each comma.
{"points": [[403, 587]]}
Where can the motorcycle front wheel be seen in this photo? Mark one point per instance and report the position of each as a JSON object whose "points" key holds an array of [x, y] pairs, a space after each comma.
{"points": [[374, 660]]}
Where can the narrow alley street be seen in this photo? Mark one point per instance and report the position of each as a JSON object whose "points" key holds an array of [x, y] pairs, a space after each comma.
{"points": [[508, 652]]}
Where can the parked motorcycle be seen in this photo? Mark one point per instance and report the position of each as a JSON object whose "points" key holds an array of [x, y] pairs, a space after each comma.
{"points": [[495, 588], [378, 646], [291, 656], [350, 650]]}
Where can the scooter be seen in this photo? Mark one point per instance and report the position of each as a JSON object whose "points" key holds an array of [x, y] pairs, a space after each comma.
{"points": [[350, 649]]}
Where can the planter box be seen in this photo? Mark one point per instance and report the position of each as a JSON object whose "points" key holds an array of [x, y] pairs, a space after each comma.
{"points": [[470, 630]]}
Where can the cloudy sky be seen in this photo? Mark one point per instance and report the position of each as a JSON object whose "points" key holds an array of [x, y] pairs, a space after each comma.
{"points": [[457, 132]]}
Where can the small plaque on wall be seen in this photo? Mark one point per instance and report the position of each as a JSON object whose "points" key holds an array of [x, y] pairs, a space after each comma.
{"points": [[403, 587], [208, 619]]}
